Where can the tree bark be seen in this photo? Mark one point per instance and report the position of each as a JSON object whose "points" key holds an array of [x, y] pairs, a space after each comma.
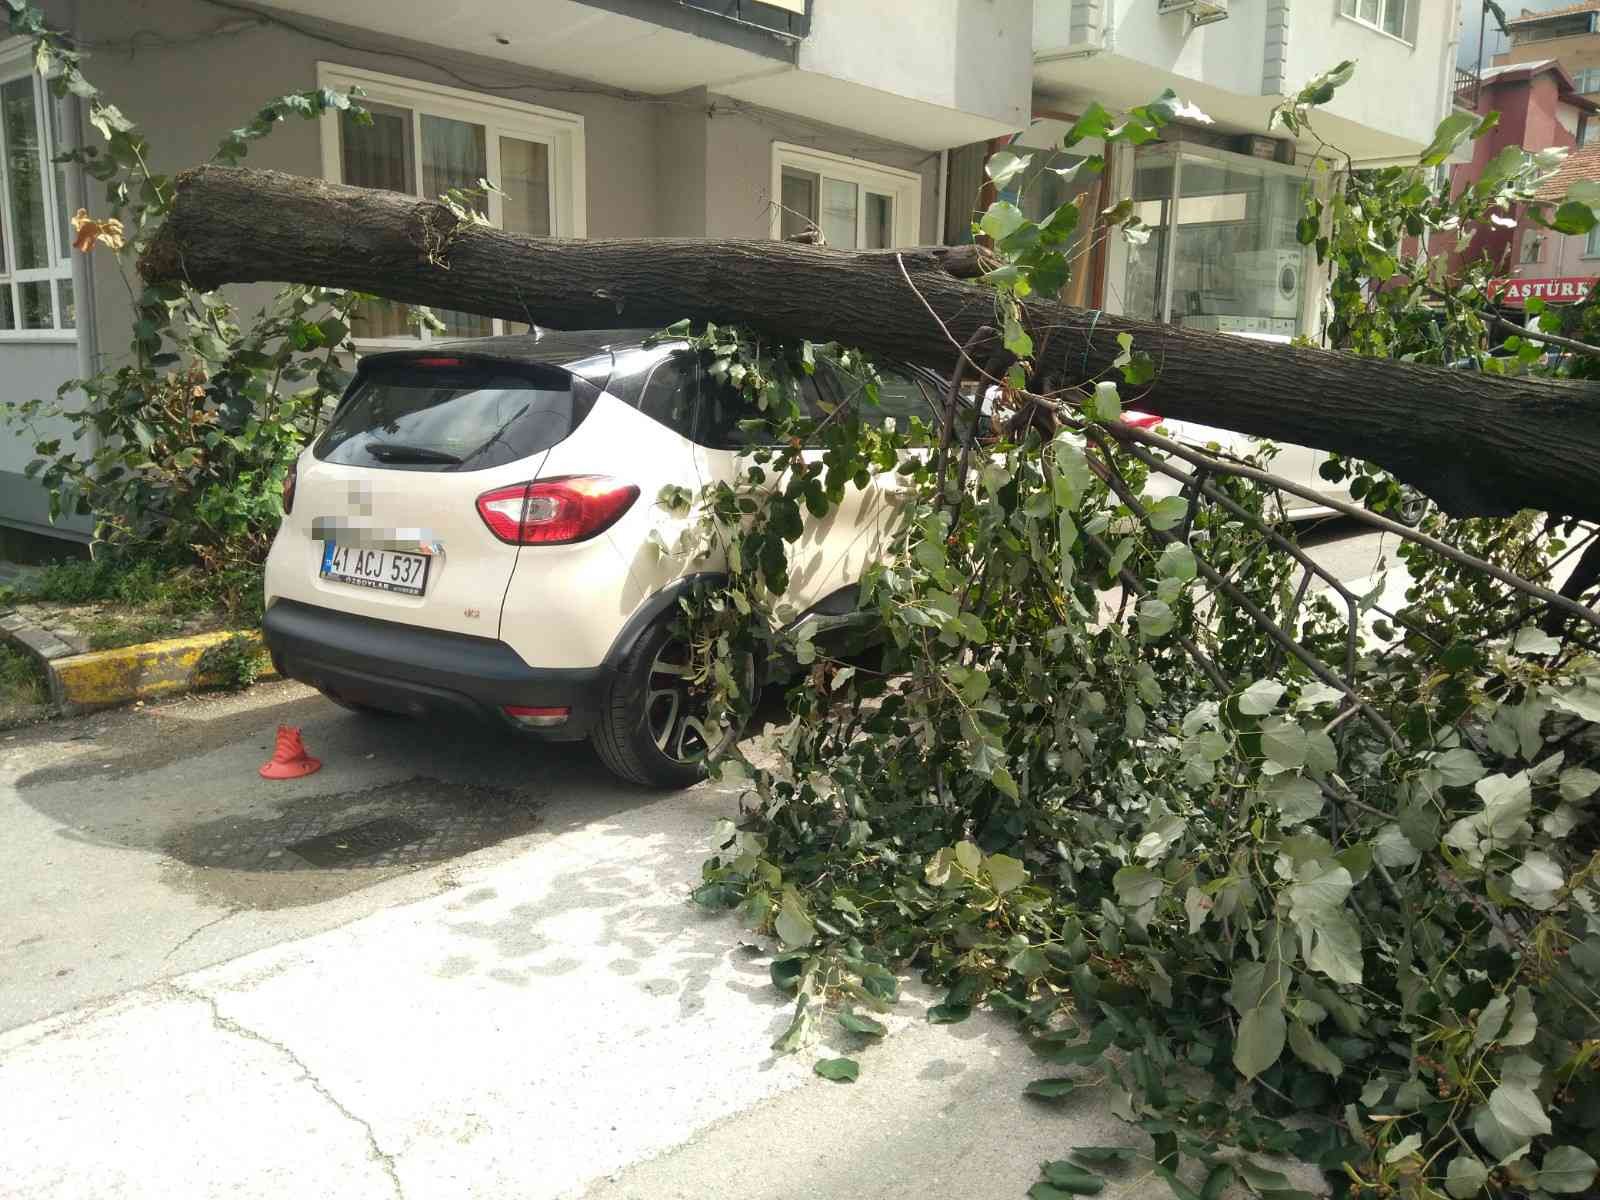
{"points": [[1478, 445]]}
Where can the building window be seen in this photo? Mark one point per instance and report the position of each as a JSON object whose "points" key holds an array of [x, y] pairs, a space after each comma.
{"points": [[1532, 248], [1387, 15], [426, 139], [1223, 253], [1591, 244], [1587, 81], [857, 205], [36, 299]]}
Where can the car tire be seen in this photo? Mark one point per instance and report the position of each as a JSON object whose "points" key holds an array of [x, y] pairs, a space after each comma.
{"points": [[1412, 508], [648, 732]]}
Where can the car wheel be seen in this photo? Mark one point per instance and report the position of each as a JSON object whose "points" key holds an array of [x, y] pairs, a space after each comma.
{"points": [[1409, 512], [653, 729]]}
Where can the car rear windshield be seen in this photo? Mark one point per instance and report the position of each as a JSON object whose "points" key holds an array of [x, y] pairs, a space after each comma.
{"points": [[454, 417]]}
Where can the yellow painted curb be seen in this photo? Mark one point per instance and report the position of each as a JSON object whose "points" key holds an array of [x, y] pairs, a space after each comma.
{"points": [[106, 677]]}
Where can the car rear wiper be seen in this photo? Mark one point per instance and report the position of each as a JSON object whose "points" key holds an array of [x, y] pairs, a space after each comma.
{"points": [[395, 452]]}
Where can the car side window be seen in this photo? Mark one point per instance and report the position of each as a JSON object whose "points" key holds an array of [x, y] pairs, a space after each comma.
{"points": [[668, 395], [900, 396], [722, 408]]}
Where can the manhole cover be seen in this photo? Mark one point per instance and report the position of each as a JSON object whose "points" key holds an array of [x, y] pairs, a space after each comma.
{"points": [[342, 847]]}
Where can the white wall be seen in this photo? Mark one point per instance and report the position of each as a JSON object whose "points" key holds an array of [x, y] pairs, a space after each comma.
{"points": [[970, 55], [1398, 87]]}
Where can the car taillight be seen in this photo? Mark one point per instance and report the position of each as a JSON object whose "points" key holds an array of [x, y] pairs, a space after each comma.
{"points": [[288, 487], [554, 512], [1141, 420]]}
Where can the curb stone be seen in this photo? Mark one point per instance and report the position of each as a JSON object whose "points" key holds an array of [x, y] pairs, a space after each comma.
{"points": [[105, 678]]}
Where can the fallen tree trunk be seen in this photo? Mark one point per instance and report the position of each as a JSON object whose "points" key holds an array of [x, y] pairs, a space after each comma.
{"points": [[1477, 444]]}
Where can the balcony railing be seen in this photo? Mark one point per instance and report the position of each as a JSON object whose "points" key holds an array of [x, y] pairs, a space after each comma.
{"points": [[787, 18], [1467, 87]]}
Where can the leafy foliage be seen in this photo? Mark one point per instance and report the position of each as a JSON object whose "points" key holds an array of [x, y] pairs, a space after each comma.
{"points": [[1292, 875], [181, 452]]}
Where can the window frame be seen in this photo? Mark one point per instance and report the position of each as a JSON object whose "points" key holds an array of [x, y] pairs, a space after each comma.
{"points": [[1350, 10], [903, 187], [562, 133], [17, 62], [1591, 243]]}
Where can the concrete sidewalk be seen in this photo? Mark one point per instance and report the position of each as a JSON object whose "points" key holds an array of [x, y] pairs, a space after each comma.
{"points": [[563, 1023]]}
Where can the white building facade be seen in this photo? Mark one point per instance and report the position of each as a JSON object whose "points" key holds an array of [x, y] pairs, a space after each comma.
{"points": [[721, 118]]}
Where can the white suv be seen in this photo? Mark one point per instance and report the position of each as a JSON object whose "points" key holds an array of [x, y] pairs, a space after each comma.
{"points": [[471, 534]]}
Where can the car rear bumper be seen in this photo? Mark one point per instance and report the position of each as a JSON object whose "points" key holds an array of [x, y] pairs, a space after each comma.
{"points": [[427, 672]]}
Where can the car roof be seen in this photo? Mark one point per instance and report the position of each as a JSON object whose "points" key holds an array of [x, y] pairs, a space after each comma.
{"points": [[555, 347]]}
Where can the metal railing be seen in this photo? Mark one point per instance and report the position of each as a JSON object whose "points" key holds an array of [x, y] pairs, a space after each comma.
{"points": [[775, 18], [1468, 84]]}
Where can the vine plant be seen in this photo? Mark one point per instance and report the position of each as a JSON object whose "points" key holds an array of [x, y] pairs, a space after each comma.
{"points": [[1280, 871]]}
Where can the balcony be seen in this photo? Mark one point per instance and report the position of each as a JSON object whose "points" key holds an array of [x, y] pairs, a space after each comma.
{"points": [[1468, 85]]}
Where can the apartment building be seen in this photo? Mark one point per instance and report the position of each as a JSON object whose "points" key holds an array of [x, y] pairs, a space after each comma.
{"points": [[725, 118]]}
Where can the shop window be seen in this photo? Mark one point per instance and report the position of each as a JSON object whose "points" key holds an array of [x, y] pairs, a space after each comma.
{"points": [[1222, 253]]}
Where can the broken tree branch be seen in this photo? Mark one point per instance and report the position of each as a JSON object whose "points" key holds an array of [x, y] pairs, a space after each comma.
{"points": [[1477, 444]]}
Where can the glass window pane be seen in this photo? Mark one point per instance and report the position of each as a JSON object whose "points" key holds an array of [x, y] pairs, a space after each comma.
{"points": [[880, 222], [382, 319], [1237, 265], [1144, 289], [37, 311], [799, 201], [25, 175], [840, 201], [1394, 17], [1369, 10], [64, 229], [464, 325], [455, 154], [69, 311], [525, 180], [8, 311], [379, 155]]}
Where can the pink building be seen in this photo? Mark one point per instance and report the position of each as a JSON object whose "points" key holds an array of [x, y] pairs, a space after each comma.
{"points": [[1540, 107]]}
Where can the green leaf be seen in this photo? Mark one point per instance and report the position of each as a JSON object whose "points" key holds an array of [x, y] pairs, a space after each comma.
{"points": [[1506, 802], [1458, 768], [1005, 165], [948, 1014], [1155, 618], [1491, 1020], [1283, 742], [1137, 885], [1053, 1088], [1261, 697], [1005, 872], [865, 1026], [1001, 778], [1105, 405], [1578, 784], [1296, 798], [1176, 562], [1262, 1033], [1180, 1189], [1513, 1117], [1393, 849], [840, 1070], [1313, 1053], [1404, 1148], [1465, 1177], [1072, 1179], [1105, 1154], [793, 926], [1452, 131], [1566, 1170], [1002, 220], [1168, 512]]}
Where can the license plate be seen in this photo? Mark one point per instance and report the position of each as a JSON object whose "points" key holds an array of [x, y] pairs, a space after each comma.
{"points": [[384, 570]]}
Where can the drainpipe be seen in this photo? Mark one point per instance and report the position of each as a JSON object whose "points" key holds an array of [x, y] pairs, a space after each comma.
{"points": [[944, 198]]}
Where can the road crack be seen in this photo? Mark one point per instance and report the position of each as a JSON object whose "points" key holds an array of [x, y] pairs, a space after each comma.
{"points": [[229, 1025], [198, 930]]}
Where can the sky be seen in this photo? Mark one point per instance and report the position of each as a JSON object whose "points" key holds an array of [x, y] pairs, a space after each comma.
{"points": [[1494, 40]]}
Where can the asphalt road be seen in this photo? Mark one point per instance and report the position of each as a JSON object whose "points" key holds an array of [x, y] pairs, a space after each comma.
{"points": [[452, 963]]}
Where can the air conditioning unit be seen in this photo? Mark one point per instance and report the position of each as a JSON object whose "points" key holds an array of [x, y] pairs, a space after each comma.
{"points": [[1201, 12], [1269, 282]]}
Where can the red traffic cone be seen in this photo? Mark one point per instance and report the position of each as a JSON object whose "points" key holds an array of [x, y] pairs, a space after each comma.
{"points": [[289, 758]]}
